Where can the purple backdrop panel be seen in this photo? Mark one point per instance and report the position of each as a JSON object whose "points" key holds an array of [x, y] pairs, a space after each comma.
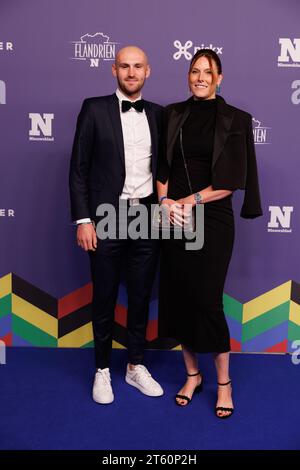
{"points": [[54, 54]]}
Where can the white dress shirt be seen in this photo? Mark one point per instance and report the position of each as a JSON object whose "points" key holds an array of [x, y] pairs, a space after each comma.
{"points": [[137, 150]]}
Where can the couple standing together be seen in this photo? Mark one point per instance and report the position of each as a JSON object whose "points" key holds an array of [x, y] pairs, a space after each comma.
{"points": [[195, 152]]}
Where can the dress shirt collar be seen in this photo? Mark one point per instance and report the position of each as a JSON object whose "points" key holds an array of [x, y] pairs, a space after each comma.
{"points": [[122, 97]]}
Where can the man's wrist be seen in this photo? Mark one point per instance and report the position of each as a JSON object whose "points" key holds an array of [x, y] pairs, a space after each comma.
{"points": [[86, 220]]}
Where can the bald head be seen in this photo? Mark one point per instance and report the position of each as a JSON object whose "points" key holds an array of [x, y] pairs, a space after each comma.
{"points": [[131, 52], [131, 68]]}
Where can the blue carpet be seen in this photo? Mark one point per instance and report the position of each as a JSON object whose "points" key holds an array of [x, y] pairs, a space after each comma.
{"points": [[45, 400]]}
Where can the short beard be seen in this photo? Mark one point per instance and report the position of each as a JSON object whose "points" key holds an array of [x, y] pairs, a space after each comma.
{"points": [[130, 92]]}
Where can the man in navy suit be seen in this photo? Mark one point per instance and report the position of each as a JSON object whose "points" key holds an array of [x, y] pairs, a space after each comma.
{"points": [[114, 161]]}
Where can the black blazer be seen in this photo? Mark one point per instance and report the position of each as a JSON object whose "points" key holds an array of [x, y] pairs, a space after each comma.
{"points": [[97, 170], [233, 161]]}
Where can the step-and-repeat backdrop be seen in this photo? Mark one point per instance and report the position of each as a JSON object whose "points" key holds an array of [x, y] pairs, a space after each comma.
{"points": [[53, 54]]}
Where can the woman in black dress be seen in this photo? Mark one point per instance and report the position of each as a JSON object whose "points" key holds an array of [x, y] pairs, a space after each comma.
{"points": [[215, 141]]}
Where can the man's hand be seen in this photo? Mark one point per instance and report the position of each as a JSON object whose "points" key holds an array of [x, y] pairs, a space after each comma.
{"points": [[87, 237]]}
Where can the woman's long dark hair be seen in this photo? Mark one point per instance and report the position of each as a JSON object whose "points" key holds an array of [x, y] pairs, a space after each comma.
{"points": [[210, 55]]}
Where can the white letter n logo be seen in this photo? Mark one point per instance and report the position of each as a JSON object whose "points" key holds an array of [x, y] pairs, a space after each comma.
{"points": [[41, 124], [278, 216], [289, 50]]}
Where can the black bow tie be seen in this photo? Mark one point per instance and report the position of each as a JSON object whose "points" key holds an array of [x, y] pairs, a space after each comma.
{"points": [[137, 105]]}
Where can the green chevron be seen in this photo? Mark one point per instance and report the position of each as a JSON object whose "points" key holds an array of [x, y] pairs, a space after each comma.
{"points": [[31, 333], [266, 321], [88, 345], [293, 331], [233, 308], [5, 305]]}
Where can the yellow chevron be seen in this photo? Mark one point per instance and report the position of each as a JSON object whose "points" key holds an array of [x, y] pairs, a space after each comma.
{"points": [[117, 345], [177, 348], [294, 313], [34, 315], [265, 302], [5, 285], [77, 338]]}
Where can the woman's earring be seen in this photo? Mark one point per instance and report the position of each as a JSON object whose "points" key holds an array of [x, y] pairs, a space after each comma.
{"points": [[218, 89]]}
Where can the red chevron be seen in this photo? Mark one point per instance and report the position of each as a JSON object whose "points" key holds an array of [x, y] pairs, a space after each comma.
{"points": [[152, 330], [235, 345], [279, 347], [77, 299], [121, 315], [121, 318], [7, 339]]}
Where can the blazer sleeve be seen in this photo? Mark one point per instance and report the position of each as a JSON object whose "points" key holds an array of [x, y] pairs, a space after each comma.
{"points": [[163, 168], [251, 207], [80, 163]]}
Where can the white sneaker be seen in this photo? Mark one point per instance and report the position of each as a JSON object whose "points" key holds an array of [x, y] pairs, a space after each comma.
{"points": [[141, 378], [102, 391]]}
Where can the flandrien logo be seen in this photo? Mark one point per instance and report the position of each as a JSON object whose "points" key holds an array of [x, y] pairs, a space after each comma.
{"points": [[260, 133], [187, 50], [280, 219], [2, 92], [41, 127], [94, 48], [289, 52]]}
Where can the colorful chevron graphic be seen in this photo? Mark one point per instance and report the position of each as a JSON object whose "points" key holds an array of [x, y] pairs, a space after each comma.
{"points": [[31, 317]]}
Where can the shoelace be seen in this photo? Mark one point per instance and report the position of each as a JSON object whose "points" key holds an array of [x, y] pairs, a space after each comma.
{"points": [[104, 377], [142, 372]]}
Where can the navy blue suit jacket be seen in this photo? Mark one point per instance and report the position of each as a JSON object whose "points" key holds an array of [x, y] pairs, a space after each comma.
{"points": [[97, 170]]}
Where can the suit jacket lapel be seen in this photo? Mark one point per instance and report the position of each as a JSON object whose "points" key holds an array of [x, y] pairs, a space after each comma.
{"points": [[177, 119], [224, 119], [114, 112], [154, 136], [152, 126]]}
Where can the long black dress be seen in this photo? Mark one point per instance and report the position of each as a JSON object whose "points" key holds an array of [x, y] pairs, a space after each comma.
{"points": [[192, 282]]}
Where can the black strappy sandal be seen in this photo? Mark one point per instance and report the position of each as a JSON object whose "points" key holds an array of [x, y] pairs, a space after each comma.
{"points": [[222, 408], [198, 389]]}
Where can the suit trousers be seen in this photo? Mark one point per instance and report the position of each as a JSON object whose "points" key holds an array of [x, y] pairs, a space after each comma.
{"points": [[139, 258]]}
